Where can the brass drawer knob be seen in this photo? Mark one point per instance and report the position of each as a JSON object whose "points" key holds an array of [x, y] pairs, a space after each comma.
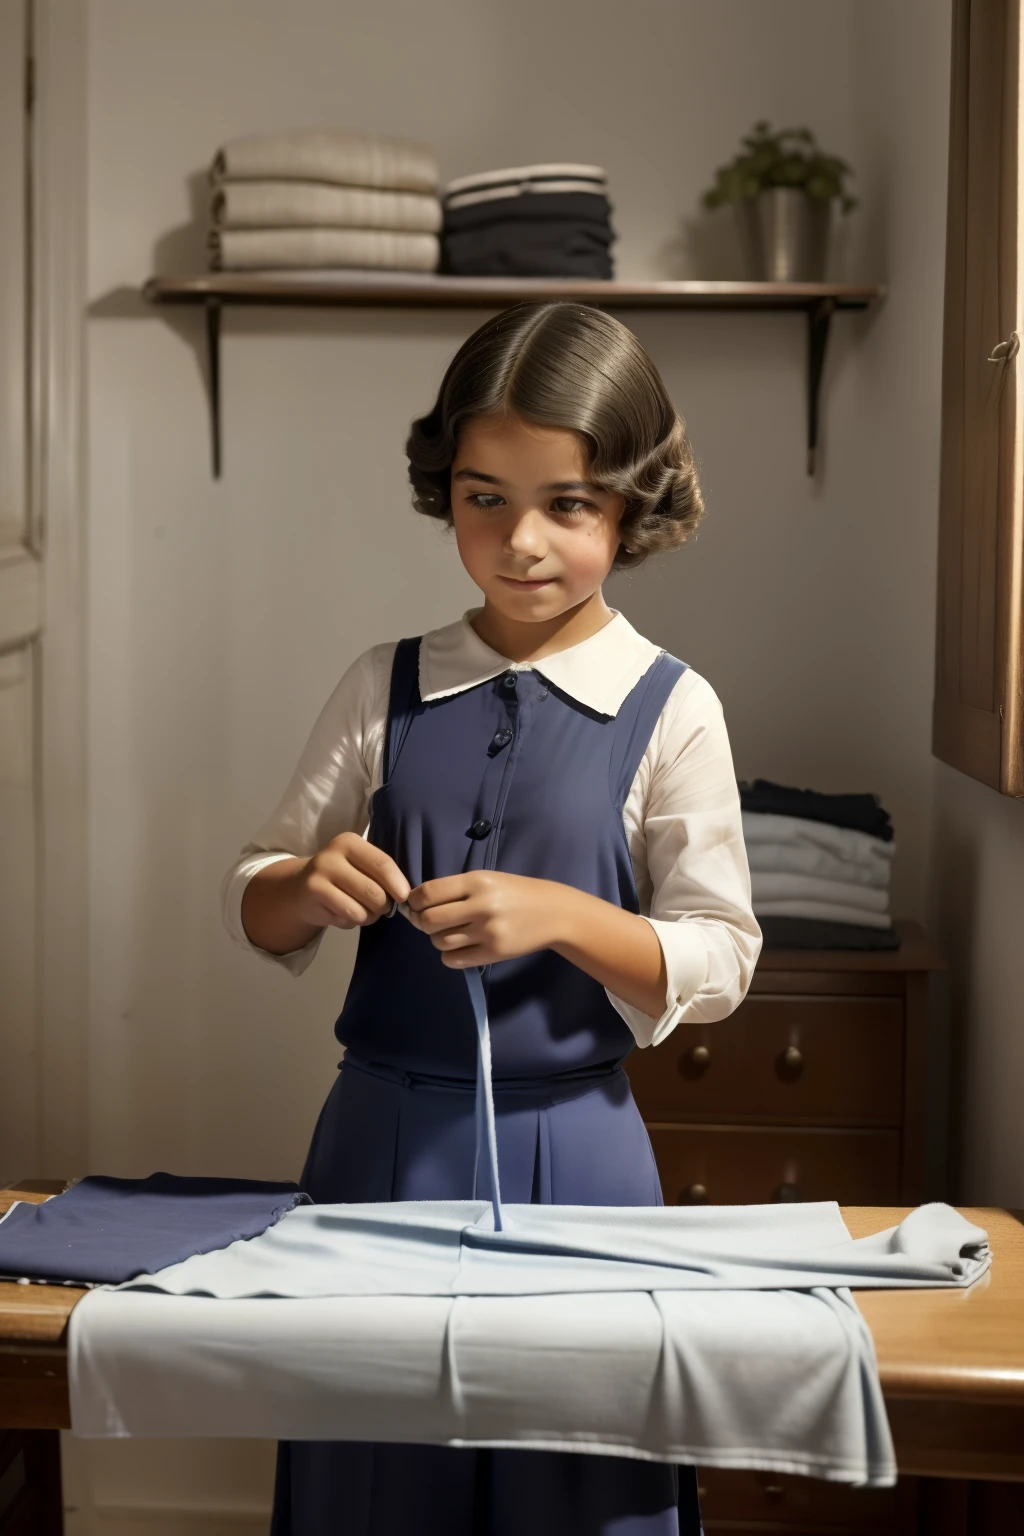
{"points": [[695, 1061], [790, 1062], [695, 1194]]}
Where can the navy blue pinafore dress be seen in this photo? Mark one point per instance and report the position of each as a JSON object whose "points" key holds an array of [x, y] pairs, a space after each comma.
{"points": [[515, 775]]}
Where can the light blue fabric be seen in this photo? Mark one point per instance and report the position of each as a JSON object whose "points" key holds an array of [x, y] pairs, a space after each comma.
{"points": [[779, 1380], [450, 1248], [466, 1323], [486, 1135]]}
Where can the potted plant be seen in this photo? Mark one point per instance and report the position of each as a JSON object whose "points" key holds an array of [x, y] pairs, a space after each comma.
{"points": [[784, 188]]}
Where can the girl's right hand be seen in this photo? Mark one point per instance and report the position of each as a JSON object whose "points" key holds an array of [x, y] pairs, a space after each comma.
{"points": [[348, 884]]}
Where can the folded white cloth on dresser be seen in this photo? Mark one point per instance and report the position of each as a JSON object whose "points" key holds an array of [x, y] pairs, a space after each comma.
{"points": [[817, 863], [794, 831], [267, 249], [823, 911], [332, 155], [299, 204], [771, 886], [723, 1335]]}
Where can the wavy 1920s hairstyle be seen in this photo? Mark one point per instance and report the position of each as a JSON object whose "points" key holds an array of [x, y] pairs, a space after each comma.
{"points": [[569, 365]]}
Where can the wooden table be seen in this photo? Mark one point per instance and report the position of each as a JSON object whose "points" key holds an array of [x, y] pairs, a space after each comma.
{"points": [[951, 1365]]}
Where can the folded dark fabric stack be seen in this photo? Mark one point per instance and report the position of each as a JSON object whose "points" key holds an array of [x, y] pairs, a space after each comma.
{"points": [[320, 199], [819, 867], [529, 221]]}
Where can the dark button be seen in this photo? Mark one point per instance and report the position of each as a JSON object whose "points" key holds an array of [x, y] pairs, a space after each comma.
{"points": [[509, 680], [480, 828], [501, 739]]}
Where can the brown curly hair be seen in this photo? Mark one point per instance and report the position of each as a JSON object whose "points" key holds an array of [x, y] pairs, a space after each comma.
{"points": [[569, 365]]}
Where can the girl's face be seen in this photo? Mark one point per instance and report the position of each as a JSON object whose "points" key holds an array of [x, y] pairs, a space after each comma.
{"points": [[533, 534]]}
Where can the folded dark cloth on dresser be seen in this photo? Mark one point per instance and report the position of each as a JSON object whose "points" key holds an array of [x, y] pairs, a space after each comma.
{"points": [[863, 812], [105, 1230], [817, 933]]}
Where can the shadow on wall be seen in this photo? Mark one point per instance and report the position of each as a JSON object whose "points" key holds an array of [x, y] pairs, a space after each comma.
{"points": [[706, 245], [184, 248]]}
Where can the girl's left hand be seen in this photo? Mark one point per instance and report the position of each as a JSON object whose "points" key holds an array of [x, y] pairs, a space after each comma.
{"points": [[485, 915]]}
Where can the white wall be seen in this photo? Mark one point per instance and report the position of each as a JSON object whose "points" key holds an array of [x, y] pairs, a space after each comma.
{"points": [[221, 614], [974, 874]]}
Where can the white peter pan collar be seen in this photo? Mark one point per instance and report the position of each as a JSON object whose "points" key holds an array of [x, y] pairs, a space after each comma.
{"points": [[599, 672]]}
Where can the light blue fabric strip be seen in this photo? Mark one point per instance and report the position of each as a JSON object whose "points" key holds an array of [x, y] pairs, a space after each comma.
{"points": [[486, 1135]]}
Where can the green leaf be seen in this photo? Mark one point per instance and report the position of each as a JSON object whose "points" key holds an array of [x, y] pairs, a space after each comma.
{"points": [[789, 158]]}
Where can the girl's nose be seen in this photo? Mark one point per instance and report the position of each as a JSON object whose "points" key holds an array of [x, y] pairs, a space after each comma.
{"points": [[527, 536]]}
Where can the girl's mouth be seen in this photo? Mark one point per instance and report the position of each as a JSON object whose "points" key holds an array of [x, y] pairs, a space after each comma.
{"points": [[526, 585]]}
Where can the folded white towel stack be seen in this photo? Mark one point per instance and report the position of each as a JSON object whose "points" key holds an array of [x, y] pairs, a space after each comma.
{"points": [[815, 870], [324, 198]]}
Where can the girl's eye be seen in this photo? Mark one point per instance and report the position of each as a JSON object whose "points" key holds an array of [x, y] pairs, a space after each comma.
{"points": [[565, 506]]}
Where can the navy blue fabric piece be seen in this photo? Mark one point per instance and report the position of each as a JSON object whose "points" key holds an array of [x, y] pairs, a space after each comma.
{"points": [[550, 778], [539, 234], [527, 208], [106, 1230], [862, 813], [816, 933]]}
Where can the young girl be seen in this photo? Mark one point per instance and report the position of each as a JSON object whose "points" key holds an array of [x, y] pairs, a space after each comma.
{"points": [[546, 795]]}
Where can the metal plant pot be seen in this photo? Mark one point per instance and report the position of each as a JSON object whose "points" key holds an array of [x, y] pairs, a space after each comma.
{"points": [[785, 236]]}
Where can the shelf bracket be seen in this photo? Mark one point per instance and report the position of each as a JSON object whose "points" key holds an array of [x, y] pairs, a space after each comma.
{"points": [[213, 324], [819, 317], [817, 301]]}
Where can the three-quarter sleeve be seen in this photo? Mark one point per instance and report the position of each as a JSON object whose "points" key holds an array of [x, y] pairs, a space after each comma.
{"points": [[685, 834], [329, 791]]}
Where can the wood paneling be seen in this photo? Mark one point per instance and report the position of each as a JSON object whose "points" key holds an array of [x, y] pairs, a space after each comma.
{"points": [[976, 717]]}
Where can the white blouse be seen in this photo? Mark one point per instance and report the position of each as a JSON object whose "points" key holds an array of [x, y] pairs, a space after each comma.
{"points": [[682, 813]]}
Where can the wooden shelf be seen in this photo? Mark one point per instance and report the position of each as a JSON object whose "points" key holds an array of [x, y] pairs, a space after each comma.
{"points": [[334, 289], [410, 288]]}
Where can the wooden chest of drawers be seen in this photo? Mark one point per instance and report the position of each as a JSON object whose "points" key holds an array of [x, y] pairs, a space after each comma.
{"points": [[812, 1090]]}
